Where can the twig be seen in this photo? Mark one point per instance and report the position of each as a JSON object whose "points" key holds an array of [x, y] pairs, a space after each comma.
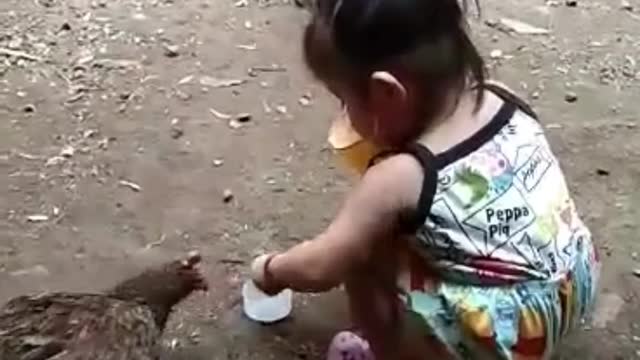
{"points": [[232, 261], [270, 68], [160, 241], [19, 54], [219, 115], [131, 185], [27, 156]]}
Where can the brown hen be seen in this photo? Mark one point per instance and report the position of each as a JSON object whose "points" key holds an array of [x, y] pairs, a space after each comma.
{"points": [[123, 323]]}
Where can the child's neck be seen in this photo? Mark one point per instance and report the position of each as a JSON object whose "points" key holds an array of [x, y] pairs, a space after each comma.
{"points": [[461, 123]]}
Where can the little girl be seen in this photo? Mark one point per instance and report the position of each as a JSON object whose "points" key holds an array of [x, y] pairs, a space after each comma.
{"points": [[461, 240]]}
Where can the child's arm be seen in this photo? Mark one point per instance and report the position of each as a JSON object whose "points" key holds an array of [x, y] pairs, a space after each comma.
{"points": [[371, 215]]}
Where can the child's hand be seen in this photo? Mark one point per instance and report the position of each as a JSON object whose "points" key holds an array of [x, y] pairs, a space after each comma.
{"points": [[262, 277]]}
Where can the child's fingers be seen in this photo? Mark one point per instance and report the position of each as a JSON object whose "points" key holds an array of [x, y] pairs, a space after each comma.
{"points": [[259, 275]]}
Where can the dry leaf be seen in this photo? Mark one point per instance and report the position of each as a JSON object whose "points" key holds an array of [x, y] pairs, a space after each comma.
{"points": [[522, 28], [220, 83], [185, 80]]}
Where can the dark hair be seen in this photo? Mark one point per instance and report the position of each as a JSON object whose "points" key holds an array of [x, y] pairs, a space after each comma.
{"points": [[349, 39]]}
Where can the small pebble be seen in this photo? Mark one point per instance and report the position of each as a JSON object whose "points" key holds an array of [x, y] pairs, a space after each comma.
{"points": [[67, 151], [183, 95], [496, 54], [139, 16], [171, 51], [227, 196], [603, 172], [571, 3], [88, 134], [636, 273], [195, 337], [218, 162], [176, 132], [235, 124], [29, 108], [243, 117], [305, 100], [173, 344], [571, 97]]}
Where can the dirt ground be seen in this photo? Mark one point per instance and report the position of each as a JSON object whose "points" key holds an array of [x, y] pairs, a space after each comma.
{"points": [[119, 148]]}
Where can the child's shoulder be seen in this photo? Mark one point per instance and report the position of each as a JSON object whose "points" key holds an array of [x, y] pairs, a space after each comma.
{"points": [[397, 177], [394, 168]]}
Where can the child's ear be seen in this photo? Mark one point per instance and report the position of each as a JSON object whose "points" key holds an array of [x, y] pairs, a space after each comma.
{"points": [[385, 89]]}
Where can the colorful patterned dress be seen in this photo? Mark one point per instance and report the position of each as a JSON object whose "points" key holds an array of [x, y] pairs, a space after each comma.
{"points": [[501, 266]]}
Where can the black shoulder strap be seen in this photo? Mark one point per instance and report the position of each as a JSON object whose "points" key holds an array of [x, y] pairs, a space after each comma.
{"points": [[416, 218], [381, 156], [429, 165], [508, 96]]}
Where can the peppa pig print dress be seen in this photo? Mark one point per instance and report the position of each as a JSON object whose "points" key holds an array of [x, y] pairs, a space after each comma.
{"points": [[501, 266]]}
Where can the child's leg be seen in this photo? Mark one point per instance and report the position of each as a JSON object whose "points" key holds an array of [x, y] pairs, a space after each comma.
{"points": [[376, 311], [371, 312]]}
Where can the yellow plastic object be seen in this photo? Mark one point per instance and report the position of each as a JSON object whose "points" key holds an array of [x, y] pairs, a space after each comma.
{"points": [[354, 152], [357, 156]]}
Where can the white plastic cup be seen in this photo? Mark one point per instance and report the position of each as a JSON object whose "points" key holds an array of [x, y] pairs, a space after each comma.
{"points": [[263, 308]]}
